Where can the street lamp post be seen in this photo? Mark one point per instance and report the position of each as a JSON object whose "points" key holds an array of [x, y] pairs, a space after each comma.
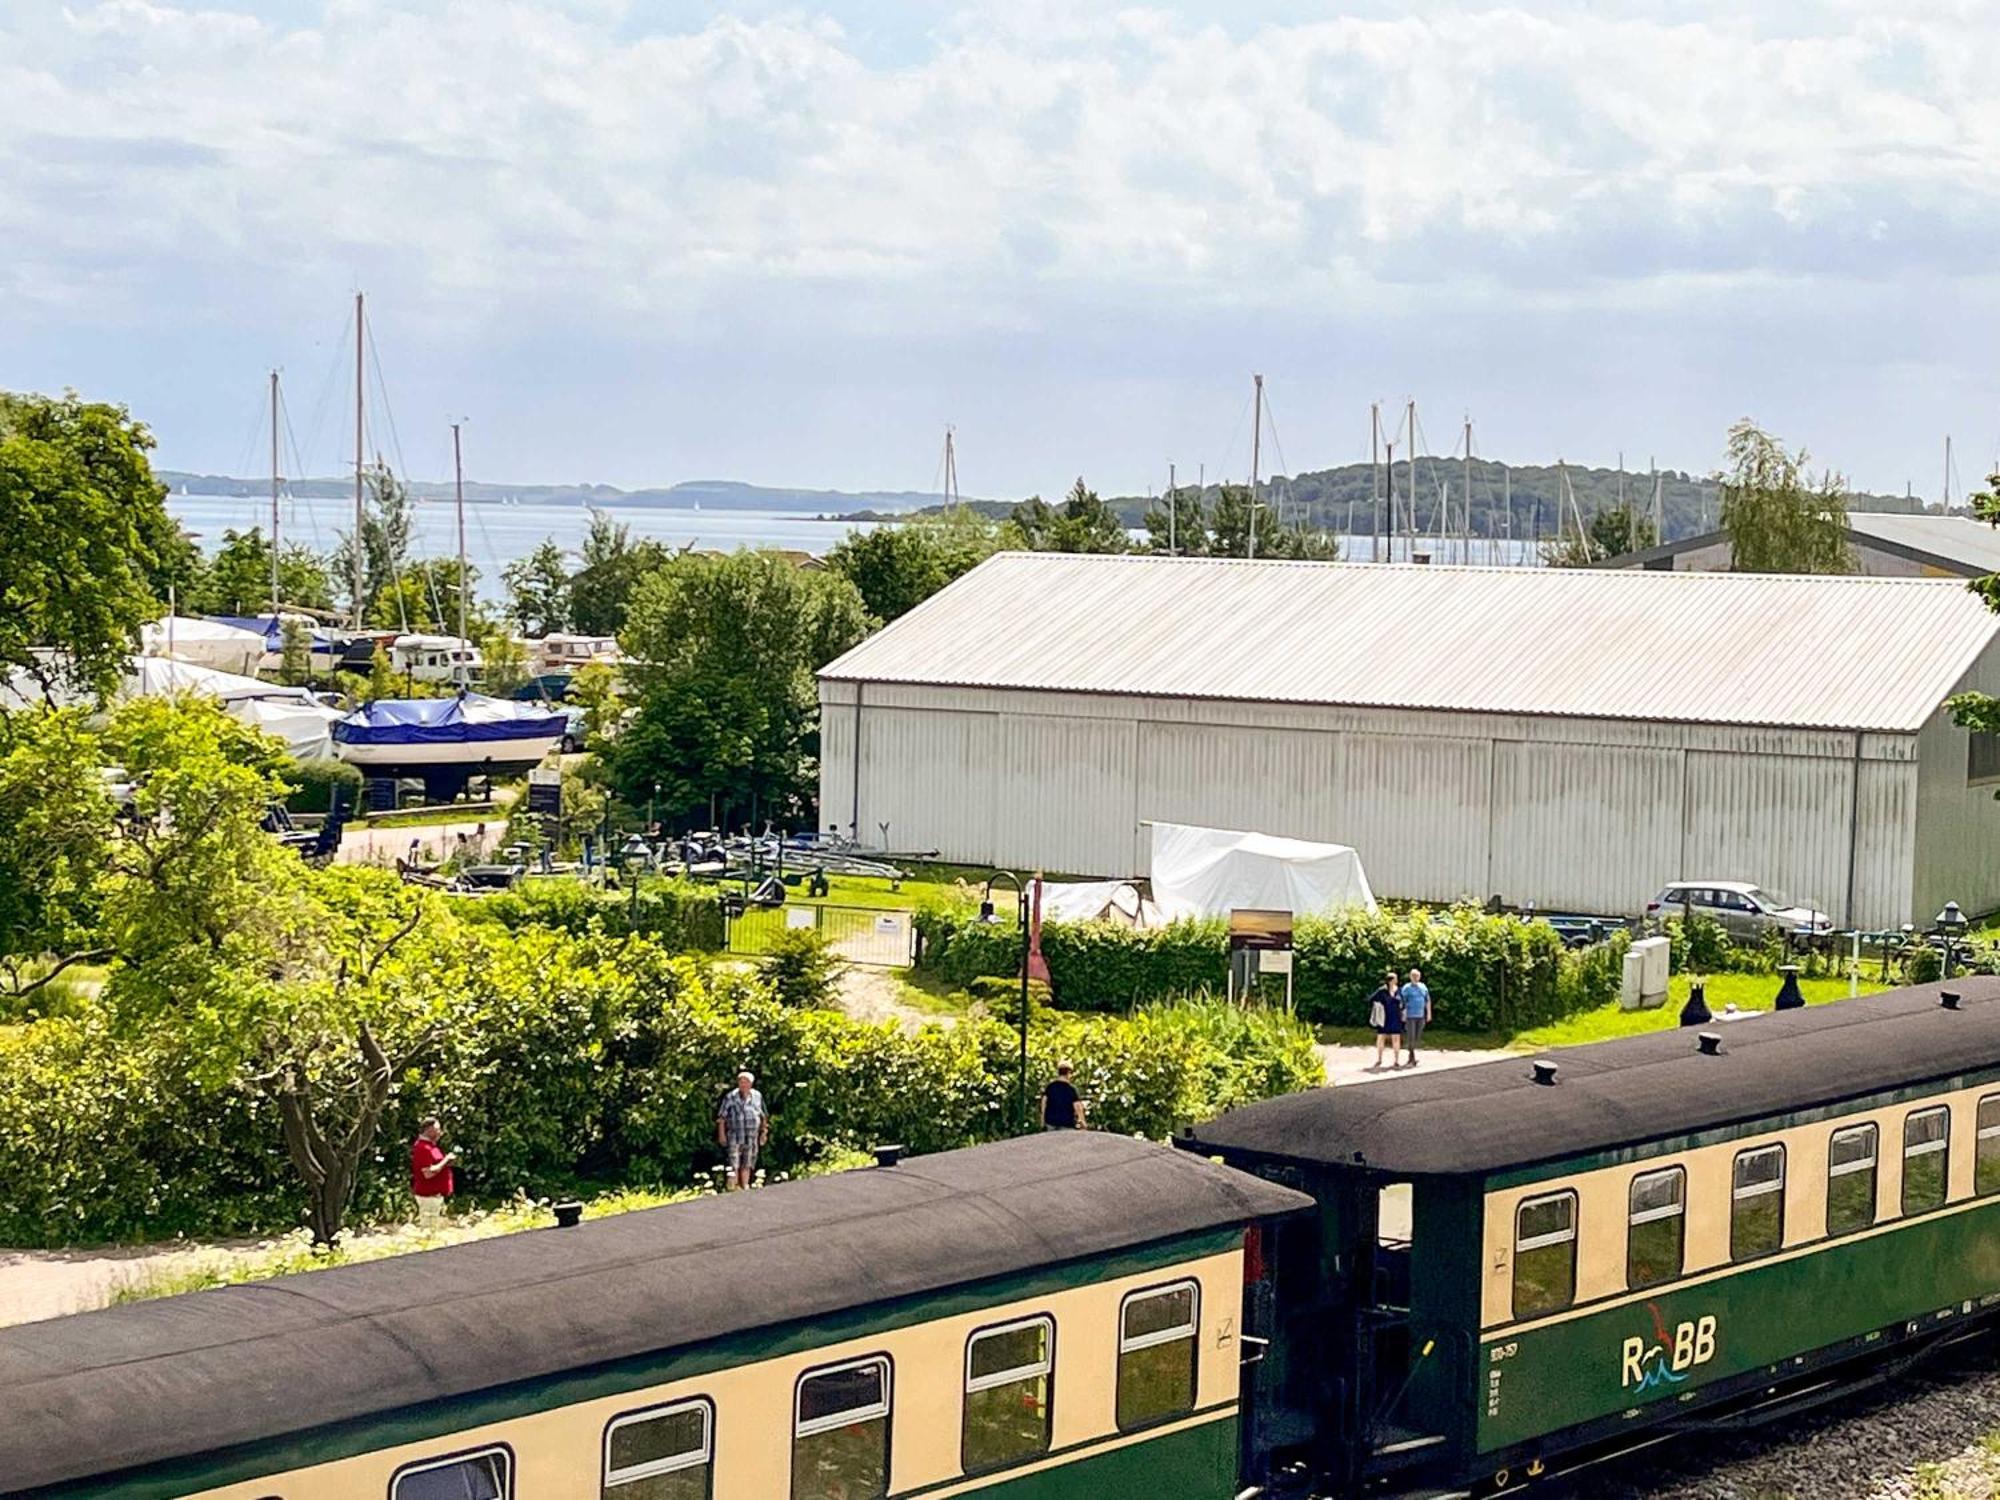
{"points": [[1951, 925], [636, 850], [1021, 909]]}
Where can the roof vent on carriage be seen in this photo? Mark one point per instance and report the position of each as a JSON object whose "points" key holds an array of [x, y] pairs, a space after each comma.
{"points": [[1544, 1071], [1710, 1043], [1948, 999]]}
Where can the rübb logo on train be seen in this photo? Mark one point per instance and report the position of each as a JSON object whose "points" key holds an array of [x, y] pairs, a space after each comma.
{"points": [[1647, 1364]]}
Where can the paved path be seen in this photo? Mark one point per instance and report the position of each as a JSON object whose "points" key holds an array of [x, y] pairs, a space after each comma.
{"points": [[436, 841], [1355, 1064]]}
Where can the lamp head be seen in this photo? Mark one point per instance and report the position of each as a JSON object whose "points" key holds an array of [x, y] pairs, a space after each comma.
{"points": [[1951, 919]]}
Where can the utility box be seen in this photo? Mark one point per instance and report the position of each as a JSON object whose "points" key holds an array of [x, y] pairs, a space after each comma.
{"points": [[1645, 981]]}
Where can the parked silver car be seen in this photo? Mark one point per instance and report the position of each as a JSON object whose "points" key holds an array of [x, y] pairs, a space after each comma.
{"points": [[1747, 912]]}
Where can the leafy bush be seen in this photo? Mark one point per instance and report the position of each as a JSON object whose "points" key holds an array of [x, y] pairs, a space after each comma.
{"points": [[315, 782], [581, 1061], [1487, 971], [679, 915], [802, 969]]}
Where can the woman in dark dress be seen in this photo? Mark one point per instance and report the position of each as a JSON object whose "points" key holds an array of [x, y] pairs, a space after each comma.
{"points": [[1385, 1014]]}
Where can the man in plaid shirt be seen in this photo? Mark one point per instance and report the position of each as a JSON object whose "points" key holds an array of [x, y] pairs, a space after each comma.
{"points": [[741, 1127]]}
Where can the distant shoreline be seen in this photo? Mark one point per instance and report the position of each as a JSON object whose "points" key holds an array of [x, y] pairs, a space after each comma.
{"points": [[690, 495]]}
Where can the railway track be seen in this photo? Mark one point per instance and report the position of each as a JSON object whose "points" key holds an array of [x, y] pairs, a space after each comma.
{"points": [[1921, 1435]]}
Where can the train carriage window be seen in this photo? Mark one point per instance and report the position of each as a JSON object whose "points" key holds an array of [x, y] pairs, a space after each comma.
{"points": [[1926, 1152], [840, 1441], [1850, 1179], [1986, 1147], [1757, 1202], [1656, 1229], [664, 1453], [1156, 1354], [486, 1475], [1544, 1255], [1007, 1409]]}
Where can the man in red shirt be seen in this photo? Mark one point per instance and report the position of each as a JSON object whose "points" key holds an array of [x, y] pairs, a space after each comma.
{"points": [[430, 1172]]}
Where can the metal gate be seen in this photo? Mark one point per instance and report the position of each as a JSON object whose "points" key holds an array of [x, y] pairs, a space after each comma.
{"points": [[859, 934]]}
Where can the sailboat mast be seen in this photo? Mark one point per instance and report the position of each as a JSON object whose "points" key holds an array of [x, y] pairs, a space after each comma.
{"points": [[1256, 435], [951, 496], [1946, 506], [1375, 481], [360, 315], [1410, 489], [1466, 499], [1173, 504], [274, 497], [458, 491]]}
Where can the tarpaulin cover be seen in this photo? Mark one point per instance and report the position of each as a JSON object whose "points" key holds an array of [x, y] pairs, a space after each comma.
{"points": [[1099, 900], [272, 628], [467, 719], [306, 728], [205, 642], [1211, 872], [162, 676]]}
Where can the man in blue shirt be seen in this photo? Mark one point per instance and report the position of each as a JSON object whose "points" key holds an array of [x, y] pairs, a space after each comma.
{"points": [[1416, 1011]]}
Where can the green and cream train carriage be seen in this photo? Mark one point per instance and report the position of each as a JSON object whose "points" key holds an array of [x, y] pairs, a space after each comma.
{"points": [[1517, 1265], [1060, 1316]]}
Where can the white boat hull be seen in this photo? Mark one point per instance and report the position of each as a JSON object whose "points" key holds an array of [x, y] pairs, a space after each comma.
{"points": [[472, 755]]}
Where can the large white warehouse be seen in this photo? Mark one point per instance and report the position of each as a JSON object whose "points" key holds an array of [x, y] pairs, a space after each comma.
{"points": [[1573, 739]]}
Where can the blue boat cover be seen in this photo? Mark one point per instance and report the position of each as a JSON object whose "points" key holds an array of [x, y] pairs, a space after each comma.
{"points": [[468, 719], [272, 628]]}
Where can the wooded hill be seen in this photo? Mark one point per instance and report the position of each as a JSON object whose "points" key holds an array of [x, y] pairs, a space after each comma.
{"points": [[1520, 501]]}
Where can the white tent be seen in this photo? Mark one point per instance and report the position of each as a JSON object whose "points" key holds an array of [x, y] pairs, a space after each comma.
{"points": [[206, 643], [1214, 871]]}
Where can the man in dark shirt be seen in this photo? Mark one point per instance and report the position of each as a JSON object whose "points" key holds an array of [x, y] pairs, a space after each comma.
{"points": [[1061, 1108]]}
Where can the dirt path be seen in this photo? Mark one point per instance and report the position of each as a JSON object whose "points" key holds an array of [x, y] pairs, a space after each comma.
{"points": [[875, 995], [48, 1283]]}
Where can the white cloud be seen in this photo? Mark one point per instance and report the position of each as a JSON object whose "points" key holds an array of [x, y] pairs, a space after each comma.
{"points": [[563, 168]]}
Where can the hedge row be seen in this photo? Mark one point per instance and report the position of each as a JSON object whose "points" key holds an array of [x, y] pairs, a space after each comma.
{"points": [[597, 1061], [681, 916], [1487, 972]]}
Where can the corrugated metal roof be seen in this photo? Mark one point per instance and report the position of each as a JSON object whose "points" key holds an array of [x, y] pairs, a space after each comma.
{"points": [[1952, 539], [1829, 653]]}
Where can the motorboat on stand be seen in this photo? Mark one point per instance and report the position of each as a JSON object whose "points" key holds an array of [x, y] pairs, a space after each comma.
{"points": [[447, 741]]}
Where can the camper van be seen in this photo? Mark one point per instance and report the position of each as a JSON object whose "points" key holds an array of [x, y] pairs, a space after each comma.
{"points": [[435, 658]]}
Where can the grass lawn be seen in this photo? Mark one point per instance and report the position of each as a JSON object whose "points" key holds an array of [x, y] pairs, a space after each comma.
{"points": [[1747, 992]]}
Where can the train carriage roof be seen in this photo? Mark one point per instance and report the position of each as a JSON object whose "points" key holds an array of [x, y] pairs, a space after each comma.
{"points": [[1493, 1116], [94, 1393]]}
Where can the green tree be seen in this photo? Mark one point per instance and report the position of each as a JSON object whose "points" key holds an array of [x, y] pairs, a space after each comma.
{"points": [[193, 865], [897, 567], [1980, 712], [387, 523], [723, 655], [56, 835], [1196, 530], [1778, 520], [294, 652], [382, 679], [1082, 523], [505, 663], [1618, 529], [88, 552], [595, 690], [600, 591], [237, 580], [538, 590], [1178, 523]]}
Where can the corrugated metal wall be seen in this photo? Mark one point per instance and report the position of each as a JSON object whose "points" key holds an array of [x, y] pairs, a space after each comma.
{"points": [[1957, 844], [1585, 814]]}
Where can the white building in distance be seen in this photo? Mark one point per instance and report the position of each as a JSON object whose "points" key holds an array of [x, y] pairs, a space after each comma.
{"points": [[1568, 738]]}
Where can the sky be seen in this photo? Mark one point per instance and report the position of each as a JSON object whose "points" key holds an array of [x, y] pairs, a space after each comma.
{"points": [[634, 243]]}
